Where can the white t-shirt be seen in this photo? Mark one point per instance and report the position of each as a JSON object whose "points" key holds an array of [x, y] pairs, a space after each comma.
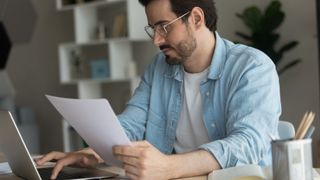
{"points": [[191, 132]]}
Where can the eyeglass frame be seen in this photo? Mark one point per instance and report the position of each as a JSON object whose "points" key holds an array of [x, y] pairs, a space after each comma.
{"points": [[163, 26]]}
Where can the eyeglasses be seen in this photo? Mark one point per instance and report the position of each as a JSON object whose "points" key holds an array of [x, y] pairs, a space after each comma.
{"points": [[161, 28]]}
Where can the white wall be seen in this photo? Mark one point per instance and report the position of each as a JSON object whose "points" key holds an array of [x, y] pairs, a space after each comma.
{"points": [[299, 85], [33, 68]]}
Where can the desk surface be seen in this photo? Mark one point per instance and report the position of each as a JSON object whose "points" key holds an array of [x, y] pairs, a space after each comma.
{"points": [[115, 170]]}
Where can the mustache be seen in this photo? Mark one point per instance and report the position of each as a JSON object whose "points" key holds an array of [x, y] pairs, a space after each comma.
{"points": [[165, 46]]}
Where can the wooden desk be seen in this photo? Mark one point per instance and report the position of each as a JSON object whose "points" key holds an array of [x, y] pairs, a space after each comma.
{"points": [[115, 170]]}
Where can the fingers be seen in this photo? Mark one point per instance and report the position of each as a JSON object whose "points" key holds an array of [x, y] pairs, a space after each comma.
{"points": [[65, 159], [131, 171], [134, 150], [57, 168], [54, 155], [77, 159], [128, 160], [141, 144], [126, 151], [131, 176], [70, 159], [88, 161]]}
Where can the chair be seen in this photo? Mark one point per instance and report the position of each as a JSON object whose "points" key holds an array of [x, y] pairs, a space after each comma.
{"points": [[286, 130]]}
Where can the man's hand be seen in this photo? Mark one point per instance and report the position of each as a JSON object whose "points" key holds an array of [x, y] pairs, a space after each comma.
{"points": [[79, 159], [143, 161]]}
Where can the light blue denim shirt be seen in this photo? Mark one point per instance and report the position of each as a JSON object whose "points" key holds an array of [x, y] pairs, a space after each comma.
{"points": [[241, 105]]}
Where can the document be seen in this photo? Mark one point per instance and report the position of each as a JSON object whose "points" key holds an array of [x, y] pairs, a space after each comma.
{"points": [[5, 168], [248, 172], [95, 122], [244, 172]]}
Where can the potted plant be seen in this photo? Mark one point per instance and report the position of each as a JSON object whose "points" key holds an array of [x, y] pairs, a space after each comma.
{"points": [[263, 36]]}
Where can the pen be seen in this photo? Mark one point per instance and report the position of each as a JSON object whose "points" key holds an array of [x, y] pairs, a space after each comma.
{"points": [[304, 125], [309, 132]]}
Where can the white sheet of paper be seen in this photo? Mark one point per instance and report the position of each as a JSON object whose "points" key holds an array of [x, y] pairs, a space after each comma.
{"points": [[5, 168], [95, 122]]}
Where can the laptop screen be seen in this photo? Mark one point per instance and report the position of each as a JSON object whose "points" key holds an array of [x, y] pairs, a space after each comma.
{"points": [[14, 148]]}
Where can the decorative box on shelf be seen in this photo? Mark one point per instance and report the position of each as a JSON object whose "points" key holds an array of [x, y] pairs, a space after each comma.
{"points": [[100, 69]]}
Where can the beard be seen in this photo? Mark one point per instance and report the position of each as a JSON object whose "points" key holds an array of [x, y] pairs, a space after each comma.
{"points": [[184, 49]]}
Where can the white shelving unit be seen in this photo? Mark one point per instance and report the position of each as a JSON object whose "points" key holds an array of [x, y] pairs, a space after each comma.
{"points": [[121, 23]]}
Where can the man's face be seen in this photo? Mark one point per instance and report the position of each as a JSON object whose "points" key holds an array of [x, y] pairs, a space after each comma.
{"points": [[178, 42]]}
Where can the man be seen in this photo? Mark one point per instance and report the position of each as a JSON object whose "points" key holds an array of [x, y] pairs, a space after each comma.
{"points": [[203, 104]]}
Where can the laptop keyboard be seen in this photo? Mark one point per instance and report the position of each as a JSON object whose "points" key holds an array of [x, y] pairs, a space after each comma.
{"points": [[45, 174]]}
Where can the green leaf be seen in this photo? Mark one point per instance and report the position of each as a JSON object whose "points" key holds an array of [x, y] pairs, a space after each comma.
{"points": [[244, 36], [273, 16], [288, 66], [288, 46], [263, 35], [265, 40], [252, 17]]}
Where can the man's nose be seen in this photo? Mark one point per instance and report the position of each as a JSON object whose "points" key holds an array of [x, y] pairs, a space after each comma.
{"points": [[158, 39]]}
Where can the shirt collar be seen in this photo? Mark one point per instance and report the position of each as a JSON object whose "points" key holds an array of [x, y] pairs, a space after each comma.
{"points": [[218, 59]]}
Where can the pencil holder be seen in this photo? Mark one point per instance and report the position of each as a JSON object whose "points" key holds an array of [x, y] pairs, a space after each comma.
{"points": [[292, 159]]}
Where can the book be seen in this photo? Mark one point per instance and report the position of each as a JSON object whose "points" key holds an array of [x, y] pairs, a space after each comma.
{"points": [[119, 26], [249, 172]]}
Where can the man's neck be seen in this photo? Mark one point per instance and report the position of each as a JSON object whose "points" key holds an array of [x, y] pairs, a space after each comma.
{"points": [[202, 57]]}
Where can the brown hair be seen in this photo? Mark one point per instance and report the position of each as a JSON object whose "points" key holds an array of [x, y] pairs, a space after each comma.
{"points": [[179, 7]]}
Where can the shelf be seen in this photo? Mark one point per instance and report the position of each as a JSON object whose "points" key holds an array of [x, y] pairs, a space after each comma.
{"points": [[94, 42], [77, 61], [109, 44], [116, 19], [95, 3], [102, 81]]}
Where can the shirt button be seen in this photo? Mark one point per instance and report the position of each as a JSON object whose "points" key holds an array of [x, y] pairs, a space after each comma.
{"points": [[208, 94], [213, 125]]}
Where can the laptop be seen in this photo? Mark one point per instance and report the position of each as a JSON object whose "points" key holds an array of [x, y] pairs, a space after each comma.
{"points": [[21, 163]]}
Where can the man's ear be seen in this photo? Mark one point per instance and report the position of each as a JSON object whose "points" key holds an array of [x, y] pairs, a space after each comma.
{"points": [[197, 17]]}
